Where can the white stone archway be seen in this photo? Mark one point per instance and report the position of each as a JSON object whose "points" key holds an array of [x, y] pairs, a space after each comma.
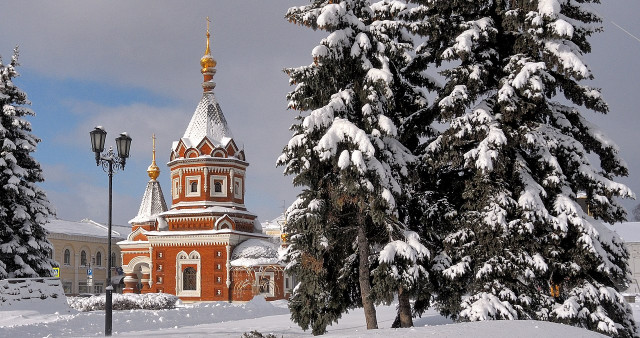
{"points": [[138, 275]]}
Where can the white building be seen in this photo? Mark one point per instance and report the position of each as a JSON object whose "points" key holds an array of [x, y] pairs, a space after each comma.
{"points": [[630, 233], [80, 248]]}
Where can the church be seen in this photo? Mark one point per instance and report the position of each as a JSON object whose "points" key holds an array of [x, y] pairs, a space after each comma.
{"points": [[207, 246]]}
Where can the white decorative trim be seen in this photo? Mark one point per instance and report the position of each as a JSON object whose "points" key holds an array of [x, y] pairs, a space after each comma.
{"points": [[228, 266], [151, 268], [175, 188], [224, 220], [209, 160], [226, 238], [187, 154], [272, 283], [187, 183], [183, 259], [206, 174], [207, 204], [135, 261], [135, 233], [231, 175], [191, 240], [225, 188], [136, 251], [237, 193]]}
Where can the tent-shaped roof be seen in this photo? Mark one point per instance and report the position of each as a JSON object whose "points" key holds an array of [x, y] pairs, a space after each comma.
{"points": [[152, 203], [208, 120]]}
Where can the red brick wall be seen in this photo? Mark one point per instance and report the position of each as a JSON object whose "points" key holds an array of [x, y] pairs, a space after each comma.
{"points": [[209, 273], [206, 196], [243, 289]]}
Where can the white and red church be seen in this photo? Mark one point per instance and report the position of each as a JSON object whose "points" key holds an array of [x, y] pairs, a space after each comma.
{"points": [[208, 246]]}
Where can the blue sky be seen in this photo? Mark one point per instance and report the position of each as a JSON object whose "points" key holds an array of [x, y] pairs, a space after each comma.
{"points": [[134, 66]]}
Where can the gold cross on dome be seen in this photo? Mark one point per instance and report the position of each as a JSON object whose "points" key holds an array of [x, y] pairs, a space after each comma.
{"points": [[153, 137]]}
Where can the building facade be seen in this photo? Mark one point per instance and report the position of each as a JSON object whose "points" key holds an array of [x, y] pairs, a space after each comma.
{"points": [[80, 248], [207, 246], [630, 234]]}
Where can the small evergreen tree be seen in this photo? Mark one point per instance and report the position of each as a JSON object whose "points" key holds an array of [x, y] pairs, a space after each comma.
{"points": [[514, 156], [24, 208], [345, 229]]}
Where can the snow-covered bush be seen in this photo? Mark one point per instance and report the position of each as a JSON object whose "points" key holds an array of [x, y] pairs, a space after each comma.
{"points": [[257, 334], [149, 301]]}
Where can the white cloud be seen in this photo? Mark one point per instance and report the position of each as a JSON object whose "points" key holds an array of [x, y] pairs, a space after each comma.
{"points": [[76, 196]]}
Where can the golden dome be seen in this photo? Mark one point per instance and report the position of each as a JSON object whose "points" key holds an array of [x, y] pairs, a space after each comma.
{"points": [[207, 61], [153, 169]]}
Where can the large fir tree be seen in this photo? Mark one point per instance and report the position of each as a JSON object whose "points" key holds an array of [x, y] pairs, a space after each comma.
{"points": [[347, 153], [24, 208], [516, 151]]}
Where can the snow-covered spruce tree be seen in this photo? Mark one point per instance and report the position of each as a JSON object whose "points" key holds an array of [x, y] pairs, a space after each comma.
{"points": [[24, 208], [404, 262], [515, 152], [346, 152]]}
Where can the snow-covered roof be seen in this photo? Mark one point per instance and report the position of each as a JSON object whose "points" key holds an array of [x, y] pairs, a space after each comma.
{"points": [[152, 203], [86, 227], [254, 252], [200, 232], [209, 210], [629, 231], [209, 121], [276, 223]]}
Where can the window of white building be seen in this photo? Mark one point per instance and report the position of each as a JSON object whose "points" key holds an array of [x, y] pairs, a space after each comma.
{"points": [[67, 257], [83, 258]]}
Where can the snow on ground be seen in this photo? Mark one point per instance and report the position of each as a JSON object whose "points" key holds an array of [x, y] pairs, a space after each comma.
{"points": [[223, 319], [232, 320]]}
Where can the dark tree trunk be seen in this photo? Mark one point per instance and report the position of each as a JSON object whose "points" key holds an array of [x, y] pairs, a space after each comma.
{"points": [[404, 309], [364, 278]]}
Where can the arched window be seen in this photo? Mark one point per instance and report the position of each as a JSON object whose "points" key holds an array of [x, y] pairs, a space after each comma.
{"points": [[83, 257], [113, 259], [99, 258], [217, 187], [67, 257], [194, 186], [188, 274], [189, 279]]}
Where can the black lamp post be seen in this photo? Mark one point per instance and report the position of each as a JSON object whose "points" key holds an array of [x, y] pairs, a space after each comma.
{"points": [[109, 162]]}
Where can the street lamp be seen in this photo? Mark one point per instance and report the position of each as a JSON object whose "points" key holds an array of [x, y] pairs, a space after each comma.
{"points": [[109, 162]]}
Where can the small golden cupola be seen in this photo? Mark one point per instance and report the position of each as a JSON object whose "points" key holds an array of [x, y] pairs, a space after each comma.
{"points": [[153, 169], [208, 64]]}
